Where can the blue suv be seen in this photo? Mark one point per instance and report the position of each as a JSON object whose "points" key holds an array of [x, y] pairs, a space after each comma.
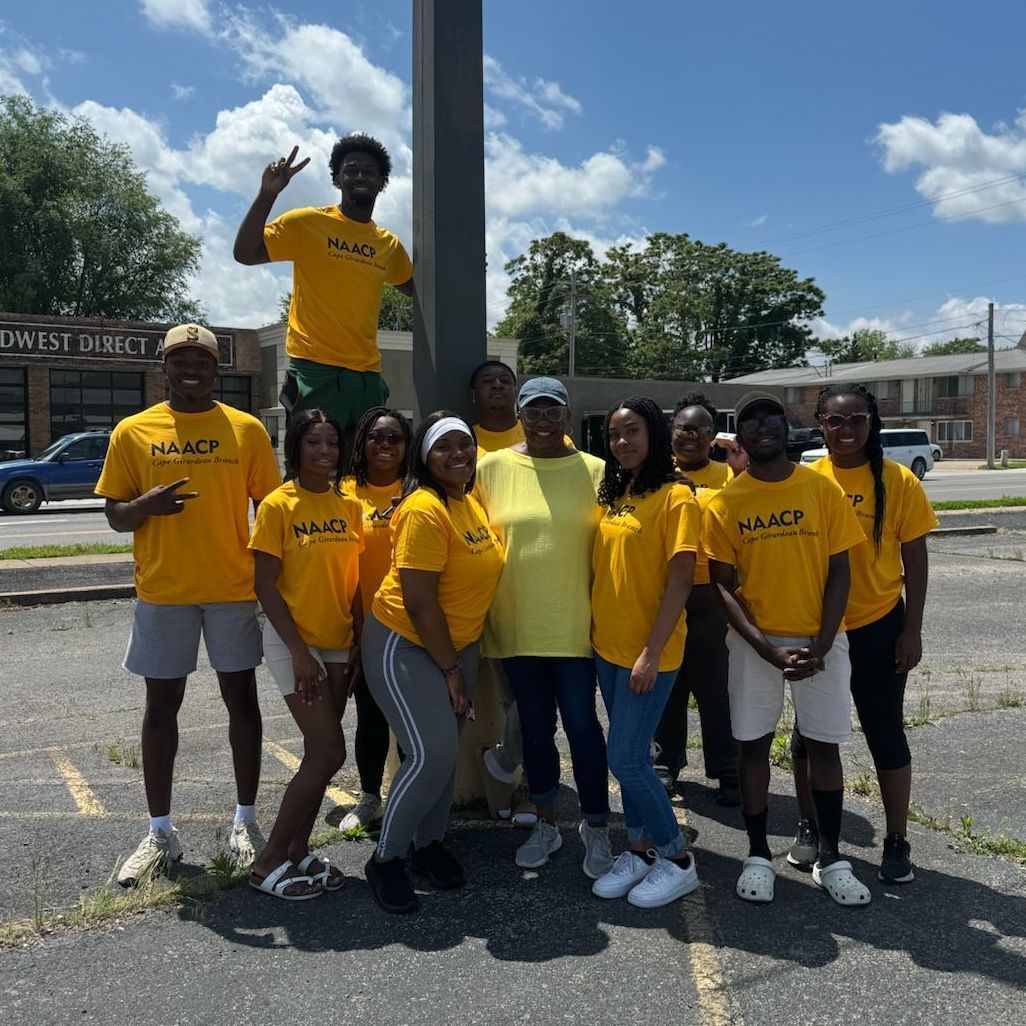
{"points": [[68, 469]]}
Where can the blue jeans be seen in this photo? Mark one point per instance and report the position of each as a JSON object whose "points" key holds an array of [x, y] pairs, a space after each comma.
{"points": [[541, 685], [632, 722]]}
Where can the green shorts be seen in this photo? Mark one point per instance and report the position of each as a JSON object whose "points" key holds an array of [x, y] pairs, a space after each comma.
{"points": [[344, 394]]}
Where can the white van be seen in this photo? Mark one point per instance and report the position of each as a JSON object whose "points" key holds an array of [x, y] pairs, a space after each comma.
{"points": [[909, 446]]}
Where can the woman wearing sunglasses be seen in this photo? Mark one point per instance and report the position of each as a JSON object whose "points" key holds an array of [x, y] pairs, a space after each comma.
{"points": [[884, 630], [541, 500], [376, 473]]}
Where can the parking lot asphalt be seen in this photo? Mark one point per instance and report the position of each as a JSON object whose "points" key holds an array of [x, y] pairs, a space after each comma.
{"points": [[516, 946]]}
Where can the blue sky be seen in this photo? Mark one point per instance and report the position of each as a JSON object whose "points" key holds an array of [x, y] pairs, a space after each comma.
{"points": [[761, 125]]}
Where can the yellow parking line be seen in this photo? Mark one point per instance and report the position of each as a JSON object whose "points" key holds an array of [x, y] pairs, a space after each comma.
{"points": [[289, 761], [87, 802]]}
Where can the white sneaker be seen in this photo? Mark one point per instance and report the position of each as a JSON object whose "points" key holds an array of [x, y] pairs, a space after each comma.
{"points": [[363, 813], [245, 843], [628, 870], [151, 859], [598, 856], [535, 851], [665, 882]]}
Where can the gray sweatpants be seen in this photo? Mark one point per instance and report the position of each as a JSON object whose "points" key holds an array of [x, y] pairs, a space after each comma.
{"points": [[411, 691]]}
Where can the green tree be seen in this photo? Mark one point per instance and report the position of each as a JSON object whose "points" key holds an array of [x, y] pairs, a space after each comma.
{"points": [[81, 234], [863, 345], [953, 346], [701, 312], [555, 284]]}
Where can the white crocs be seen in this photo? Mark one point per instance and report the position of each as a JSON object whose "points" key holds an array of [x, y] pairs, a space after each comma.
{"points": [[757, 879], [841, 884]]}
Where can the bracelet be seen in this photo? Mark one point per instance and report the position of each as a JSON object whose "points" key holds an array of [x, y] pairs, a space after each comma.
{"points": [[451, 671]]}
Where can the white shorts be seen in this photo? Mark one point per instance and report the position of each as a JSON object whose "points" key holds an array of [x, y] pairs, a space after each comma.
{"points": [[822, 702], [165, 640], [279, 659]]}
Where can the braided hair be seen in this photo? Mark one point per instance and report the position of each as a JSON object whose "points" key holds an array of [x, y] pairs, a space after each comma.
{"points": [[658, 468], [873, 447], [358, 460]]}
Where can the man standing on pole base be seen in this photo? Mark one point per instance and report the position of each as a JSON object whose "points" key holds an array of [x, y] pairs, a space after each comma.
{"points": [[340, 261], [179, 476]]}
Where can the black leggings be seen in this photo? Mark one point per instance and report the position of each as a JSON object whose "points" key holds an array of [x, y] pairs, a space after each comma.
{"points": [[371, 740], [878, 692]]}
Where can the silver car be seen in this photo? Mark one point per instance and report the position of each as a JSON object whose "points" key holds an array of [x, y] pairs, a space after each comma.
{"points": [[909, 446]]}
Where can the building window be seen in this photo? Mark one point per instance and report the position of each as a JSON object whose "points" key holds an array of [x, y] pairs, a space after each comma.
{"points": [[955, 386], [1012, 428], [233, 390], [92, 400], [13, 412], [883, 389], [954, 431], [794, 396], [1013, 379]]}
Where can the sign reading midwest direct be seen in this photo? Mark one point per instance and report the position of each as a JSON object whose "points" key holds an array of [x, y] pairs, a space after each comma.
{"points": [[89, 343]]}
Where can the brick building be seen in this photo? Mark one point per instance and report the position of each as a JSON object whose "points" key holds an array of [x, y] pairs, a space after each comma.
{"points": [[65, 374], [944, 395]]}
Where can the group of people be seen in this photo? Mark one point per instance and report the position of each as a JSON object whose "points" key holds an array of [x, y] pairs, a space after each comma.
{"points": [[397, 566]]}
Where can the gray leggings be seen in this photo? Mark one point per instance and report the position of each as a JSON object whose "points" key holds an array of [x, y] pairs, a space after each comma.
{"points": [[411, 691]]}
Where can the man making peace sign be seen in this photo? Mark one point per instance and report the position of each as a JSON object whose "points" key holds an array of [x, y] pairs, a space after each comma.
{"points": [[340, 261]]}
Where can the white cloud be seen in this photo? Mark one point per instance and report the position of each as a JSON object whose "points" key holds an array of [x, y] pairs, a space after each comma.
{"points": [[956, 317], [518, 182], [19, 60], [28, 62], [344, 86], [967, 172], [178, 13], [757, 222], [180, 92], [543, 99]]}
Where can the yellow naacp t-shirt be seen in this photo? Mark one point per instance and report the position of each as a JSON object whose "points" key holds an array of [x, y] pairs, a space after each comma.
{"points": [[338, 268], [318, 537], [545, 514], [200, 554], [492, 441], [780, 536], [376, 503], [453, 541], [635, 542], [877, 577], [712, 475]]}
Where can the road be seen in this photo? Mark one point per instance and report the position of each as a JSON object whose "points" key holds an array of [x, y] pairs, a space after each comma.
{"points": [[82, 520]]}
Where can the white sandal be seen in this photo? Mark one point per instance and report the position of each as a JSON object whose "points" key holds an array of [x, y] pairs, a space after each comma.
{"points": [[757, 879], [324, 877], [841, 884], [281, 877]]}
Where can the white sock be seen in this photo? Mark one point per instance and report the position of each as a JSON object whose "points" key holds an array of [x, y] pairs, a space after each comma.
{"points": [[493, 767], [245, 814], [162, 823]]}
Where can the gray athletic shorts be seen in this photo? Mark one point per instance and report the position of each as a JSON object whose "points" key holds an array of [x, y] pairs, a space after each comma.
{"points": [[164, 642]]}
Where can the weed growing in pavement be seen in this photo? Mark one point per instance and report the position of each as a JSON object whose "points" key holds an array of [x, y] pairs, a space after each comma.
{"points": [[973, 683], [38, 891], [866, 784], [356, 833], [122, 754], [694, 742], [989, 844], [329, 835], [1009, 697], [222, 865], [692, 702]]}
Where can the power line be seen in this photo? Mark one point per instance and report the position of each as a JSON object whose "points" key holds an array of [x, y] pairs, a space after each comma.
{"points": [[848, 222]]}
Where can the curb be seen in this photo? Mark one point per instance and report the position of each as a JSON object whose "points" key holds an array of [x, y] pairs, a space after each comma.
{"points": [[954, 532], [46, 597]]}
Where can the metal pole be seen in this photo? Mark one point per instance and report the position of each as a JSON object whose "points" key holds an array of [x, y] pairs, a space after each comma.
{"points": [[572, 363], [991, 389], [449, 320]]}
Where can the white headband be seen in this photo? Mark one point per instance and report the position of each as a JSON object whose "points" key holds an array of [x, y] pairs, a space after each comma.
{"points": [[439, 428]]}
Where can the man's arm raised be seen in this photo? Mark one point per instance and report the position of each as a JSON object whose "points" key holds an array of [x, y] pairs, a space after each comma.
{"points": [[162, 501], [249, 242]]}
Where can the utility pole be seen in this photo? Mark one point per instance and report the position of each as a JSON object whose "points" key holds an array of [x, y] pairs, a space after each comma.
{"points": [[573, 323], [449, 322], [991, 389]]}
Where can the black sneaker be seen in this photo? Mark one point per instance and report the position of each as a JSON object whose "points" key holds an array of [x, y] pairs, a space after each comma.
{"points": [[805, 849], [390, 885], [434, 862], [727, 794], [896, 865]]}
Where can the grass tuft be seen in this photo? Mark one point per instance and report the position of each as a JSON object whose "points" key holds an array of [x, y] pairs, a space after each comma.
{"points": [[1005, 500], [60, 551]]}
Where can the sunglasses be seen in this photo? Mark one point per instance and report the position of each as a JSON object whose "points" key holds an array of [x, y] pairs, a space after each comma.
{"points": [[535, 414], [836, 421], [385, 437], [770, 420], [690, 432]]}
